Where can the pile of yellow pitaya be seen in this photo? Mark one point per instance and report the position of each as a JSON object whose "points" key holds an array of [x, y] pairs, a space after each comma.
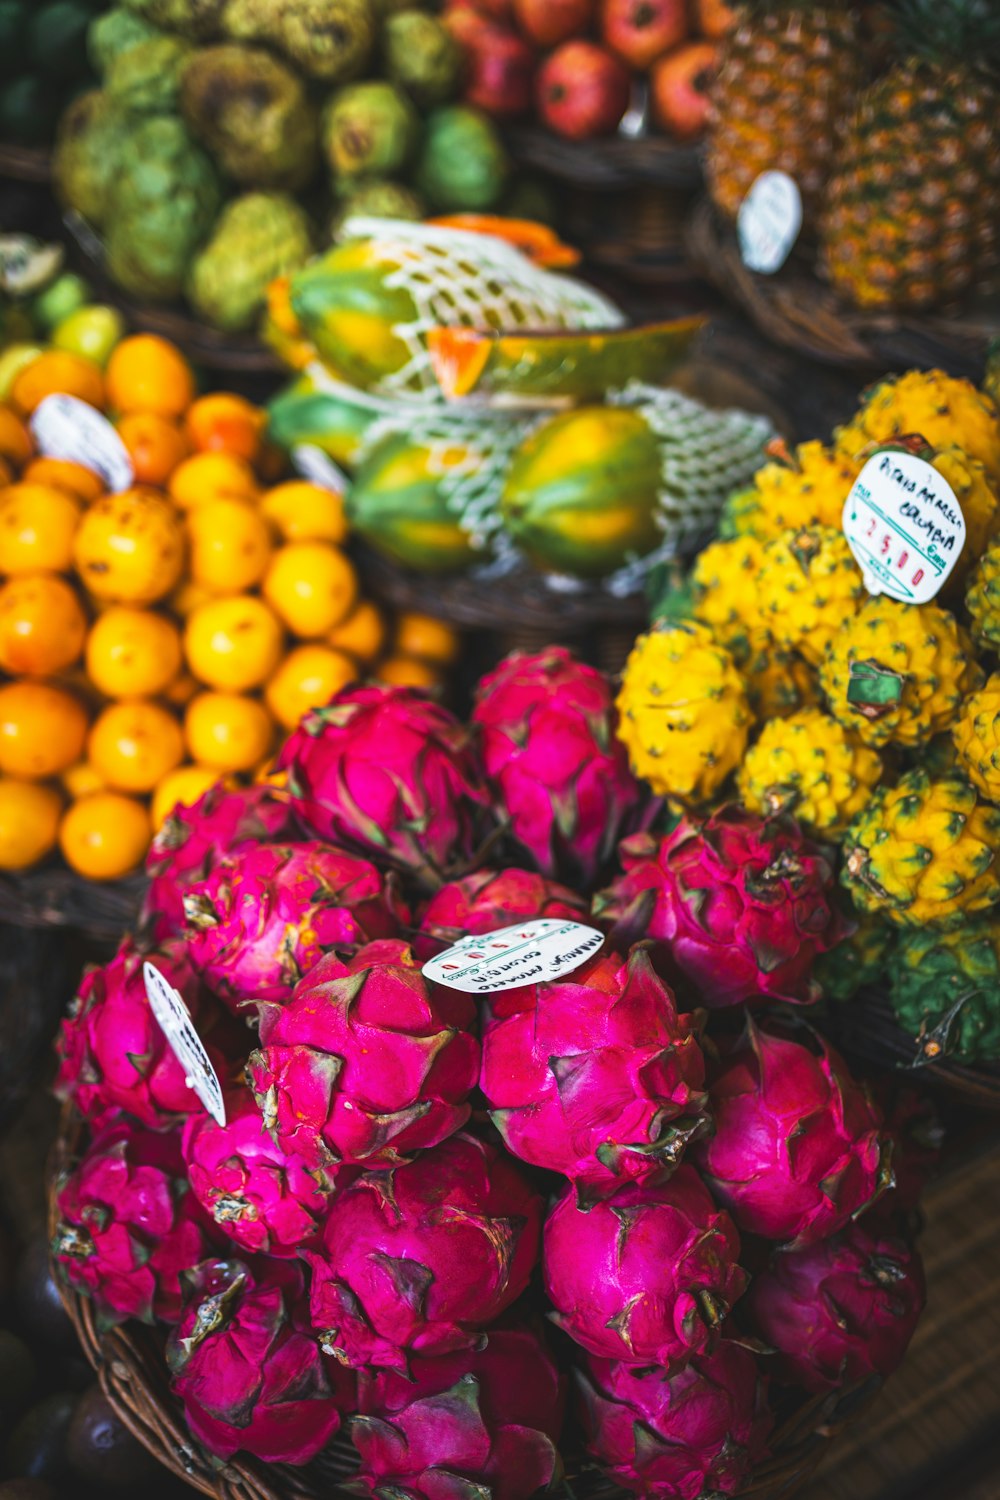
{"points": [[430, 1223]]}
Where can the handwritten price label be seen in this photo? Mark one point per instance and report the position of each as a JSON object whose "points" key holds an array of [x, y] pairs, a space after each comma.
{"points": [[532, 952], [174, 1020], [768, 222], [66, 428], [904, 524]]}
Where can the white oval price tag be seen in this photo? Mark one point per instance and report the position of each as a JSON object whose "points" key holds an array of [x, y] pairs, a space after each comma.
{"points": [[174, 1020], [769, 221], [66, 428], [316, 466], [904, 524], [533, 952]]}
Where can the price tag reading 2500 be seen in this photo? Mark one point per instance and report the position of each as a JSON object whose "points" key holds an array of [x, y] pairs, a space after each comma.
{"points": [[904, 524], [533, 952]]}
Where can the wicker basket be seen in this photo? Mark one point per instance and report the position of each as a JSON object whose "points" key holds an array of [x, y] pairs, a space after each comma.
{"points": [[26, 163], [130, 1365], [55, 896], [795, 308]]}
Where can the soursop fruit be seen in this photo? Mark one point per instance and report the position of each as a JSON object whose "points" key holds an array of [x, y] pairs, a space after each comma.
{"points": [[146, 79], [113, 33], [462, 164], [252, 113], [369, 129], [327, 39], [91, 133], [163, 202], [258, 237], [421, 55], [198, 20]]}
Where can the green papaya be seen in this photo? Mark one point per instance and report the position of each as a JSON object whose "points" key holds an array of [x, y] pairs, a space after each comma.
{"points": [[302, 415], [398, 504], [581, 492], [349, 311]]}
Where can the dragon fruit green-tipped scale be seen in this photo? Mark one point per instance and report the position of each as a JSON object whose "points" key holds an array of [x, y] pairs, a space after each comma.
{"points": [[386, 772], [366, 1063], [647, 1276], [420, 1259], [251, 1379], [700, 1431], [797, 1149], [559, 774], [595, 1075], [264, 917]]}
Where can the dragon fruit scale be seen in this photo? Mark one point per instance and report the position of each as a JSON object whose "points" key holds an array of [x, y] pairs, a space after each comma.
{"points": [[250, 1377], [113, 1054], [389, 773], [128, 1225], [647, 1276], [367, 1062], [559, 775], [597, 1076], [489, 899], [475, 1425], [264, 917], [264, 1200], [838, 1312], [796, 1151], [738, 905], [419, 1259], [697, 1432]]}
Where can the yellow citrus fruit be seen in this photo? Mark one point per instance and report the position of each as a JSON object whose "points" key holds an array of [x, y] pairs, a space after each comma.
{"points": [[16, 444], [180, 692], [188, 597], [42, 625], [186, 786], [226, 423], [308, 678], [37, 528], [129, 548], [133, 653], [60, 474], [362, 634], [42, 729], [311, 586], [155, 445], [228, 731], [83, 779], [146, 373], [56, 372], [134, 745], [29, 822], [212, 476], [426, 638], [406, 671], [233, 644], [104, 836], [230, 546], [303, 512]]}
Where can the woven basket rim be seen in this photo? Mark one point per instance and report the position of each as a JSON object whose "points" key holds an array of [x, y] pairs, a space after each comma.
{"points": [[615, 161]]}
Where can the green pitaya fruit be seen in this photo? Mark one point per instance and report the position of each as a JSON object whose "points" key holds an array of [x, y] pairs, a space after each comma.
{"points": [[945, 990], [257, 238]]}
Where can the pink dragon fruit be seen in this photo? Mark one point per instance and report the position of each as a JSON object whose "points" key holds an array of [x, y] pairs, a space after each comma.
{"points": [[128, 1225], [251, 1379], [481, 1423], [838, 1312], [113, 1054], [738, 905], [266, 1201], [367, 1062], [266, 916], [559, 774], [700, 1431], [647, 1276], [388, 772], [420, 1258], [489, 899], [796, 1151], [597, 1077]]}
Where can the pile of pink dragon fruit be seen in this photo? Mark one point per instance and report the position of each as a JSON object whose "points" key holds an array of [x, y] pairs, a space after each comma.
{"points": [[635, 1213]]}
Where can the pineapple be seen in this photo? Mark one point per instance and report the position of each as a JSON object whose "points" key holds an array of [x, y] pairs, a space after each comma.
{"points": [[946, 411], [806, 487], [683, 711], [976, 734], [786, 77], [809, 581], [724, 590], [779, 682], [858, 961], [914, 201], [983, 599], [811, 766], [924, 852], [898, 672], [945, 990]]}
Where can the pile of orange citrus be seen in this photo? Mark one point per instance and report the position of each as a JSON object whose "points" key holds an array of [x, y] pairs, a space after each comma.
{"points": [[155, 640]]}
